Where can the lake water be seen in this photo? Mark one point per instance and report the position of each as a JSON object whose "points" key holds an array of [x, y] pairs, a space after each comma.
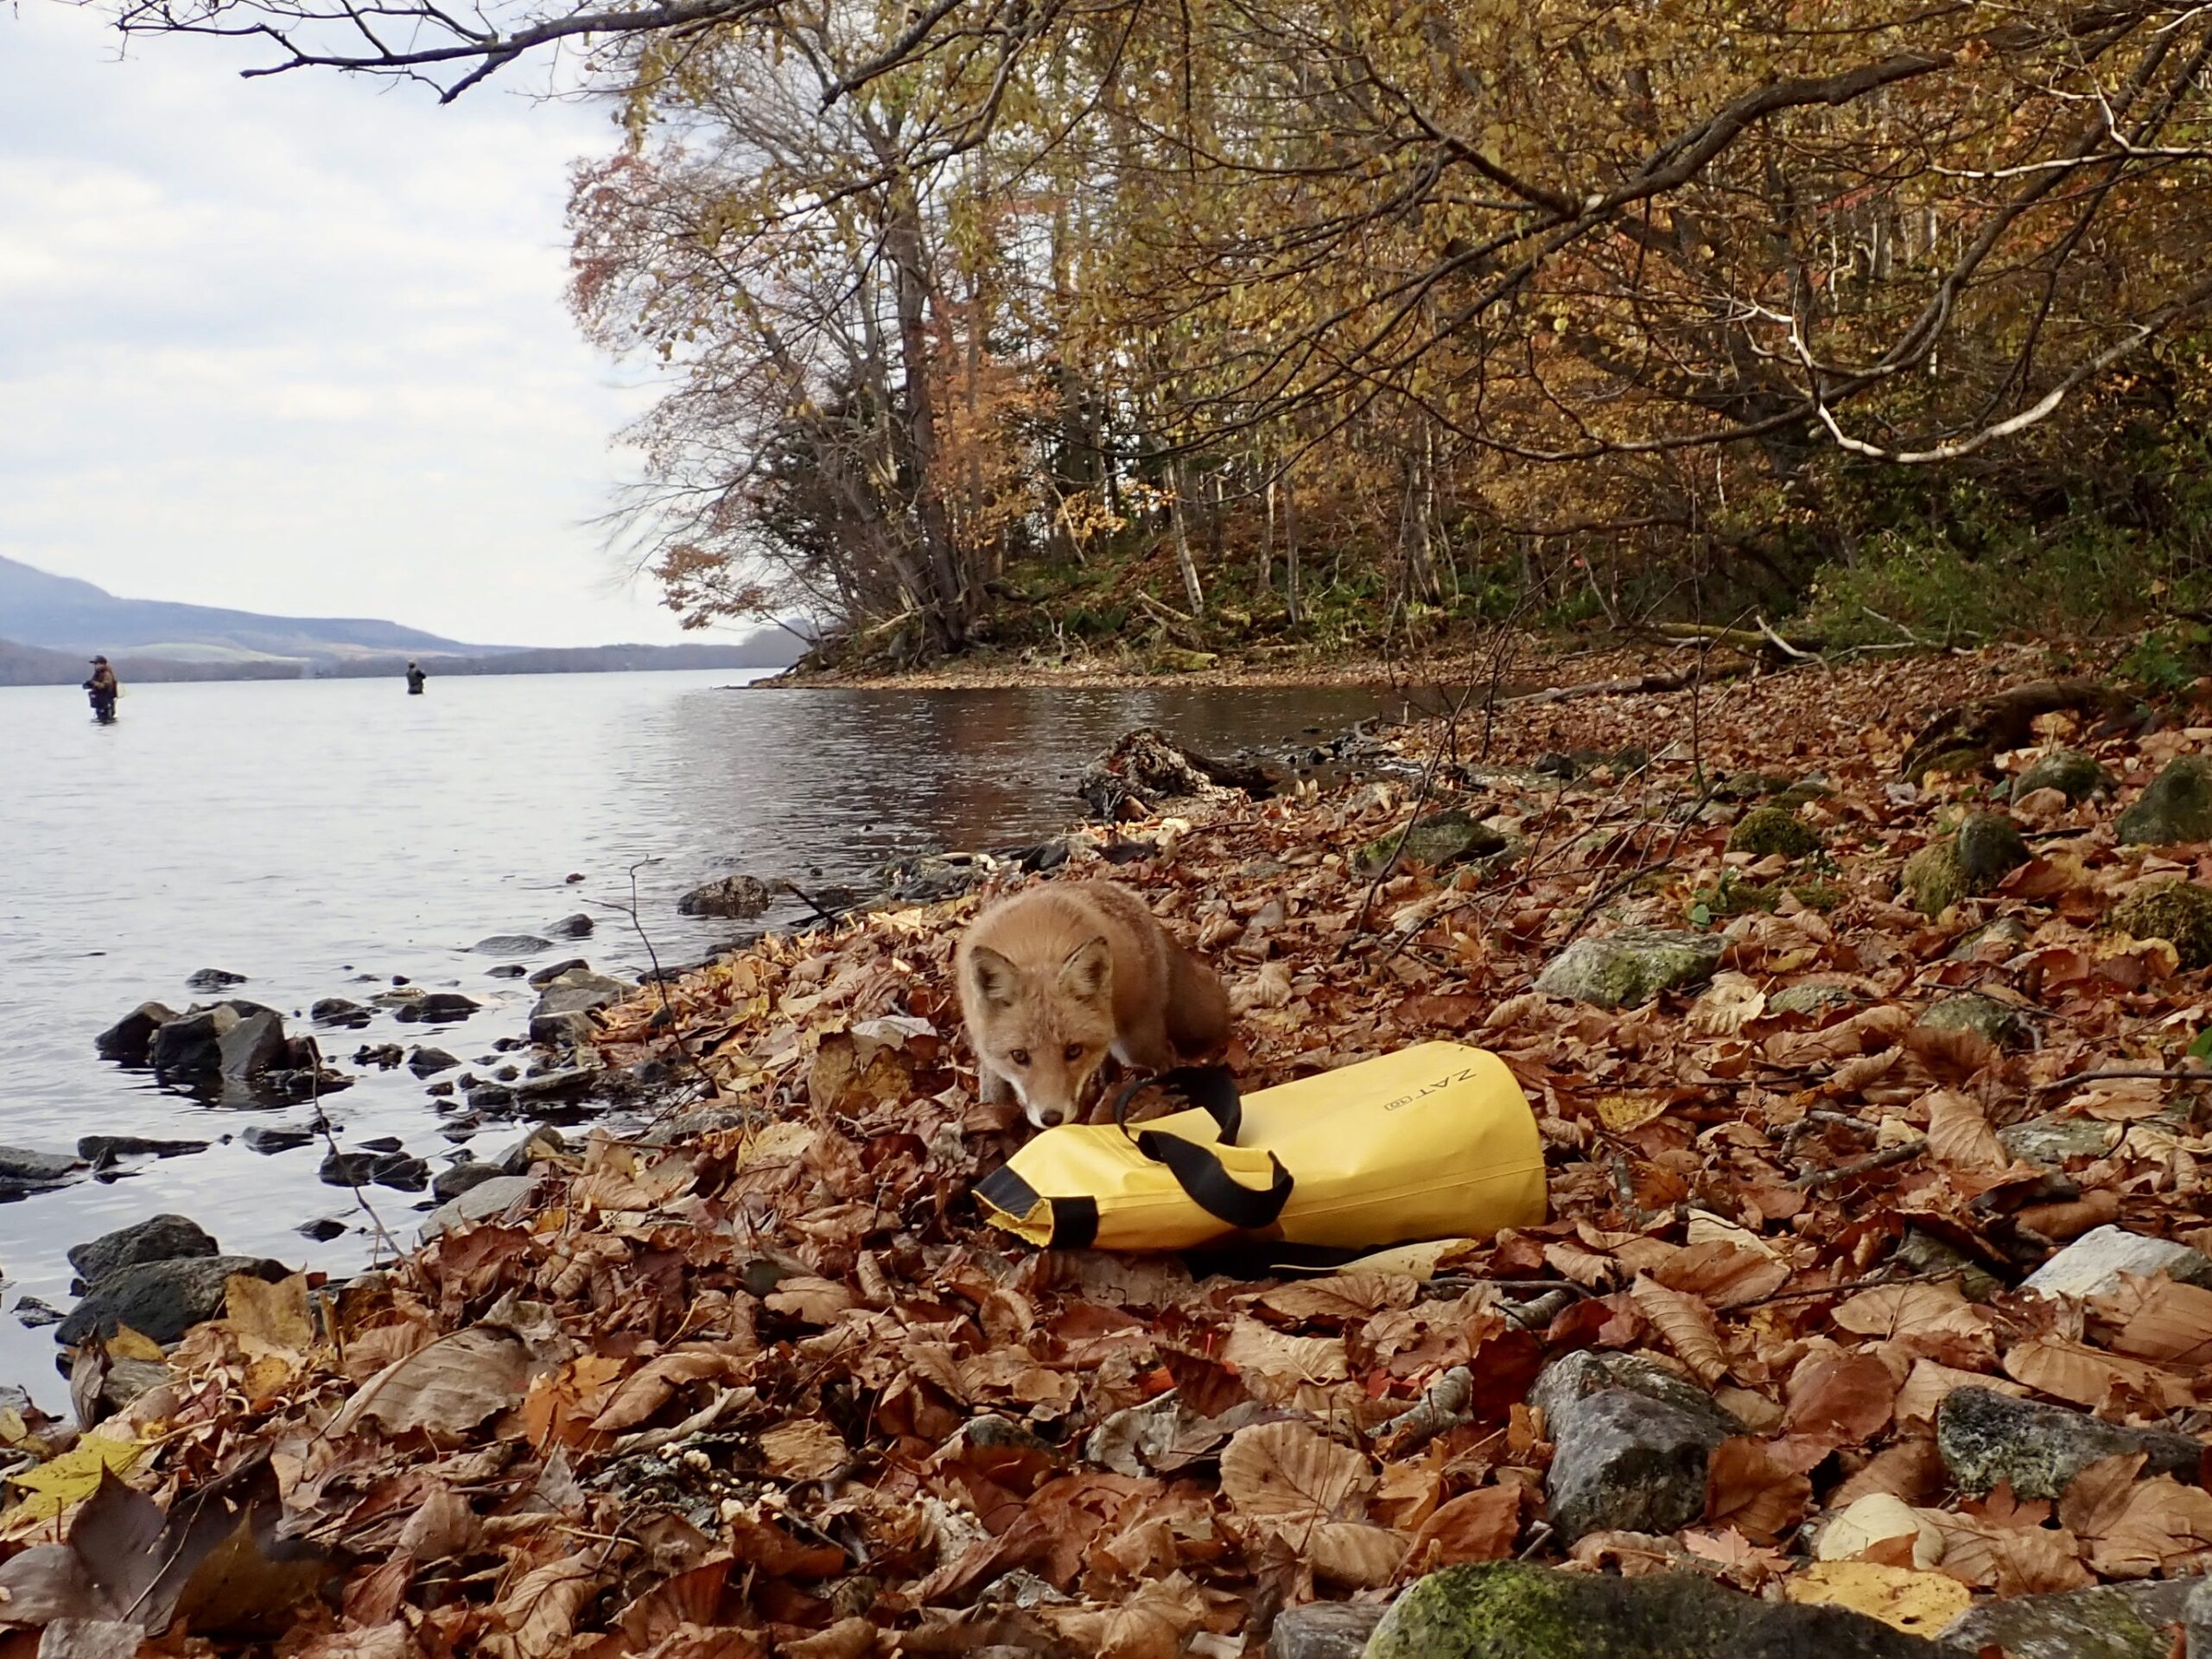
{"points": [[322, 837]]}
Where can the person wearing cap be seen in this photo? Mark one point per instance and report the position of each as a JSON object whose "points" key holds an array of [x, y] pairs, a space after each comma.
{"points": [[415, 678], [103, 690]]}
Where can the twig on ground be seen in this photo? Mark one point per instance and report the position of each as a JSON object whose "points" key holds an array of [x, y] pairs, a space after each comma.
{"points": [[1813, 1181]]}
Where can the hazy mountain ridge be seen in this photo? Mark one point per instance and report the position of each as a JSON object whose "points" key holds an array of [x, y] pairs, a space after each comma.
{"points": [[50, 625]]}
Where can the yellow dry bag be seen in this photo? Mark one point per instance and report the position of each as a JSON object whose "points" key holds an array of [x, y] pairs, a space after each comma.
{"points": [[1437, 1142]]}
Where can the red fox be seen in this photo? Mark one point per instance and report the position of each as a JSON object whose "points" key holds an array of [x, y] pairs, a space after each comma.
{"points": [[1055, 978]]}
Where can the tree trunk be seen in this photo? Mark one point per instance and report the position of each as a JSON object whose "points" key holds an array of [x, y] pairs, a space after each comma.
{"points": [[1290, 551], [1178, 515], [902, 243]]}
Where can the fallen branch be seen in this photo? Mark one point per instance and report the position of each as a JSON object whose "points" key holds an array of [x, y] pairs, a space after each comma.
{"points": [[1813, 1181], [2175, 1074], [1445, 1405], [1679, 679]]}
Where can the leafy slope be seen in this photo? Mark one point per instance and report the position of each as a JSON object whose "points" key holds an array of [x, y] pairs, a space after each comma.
{"points": [[773, 1388]]}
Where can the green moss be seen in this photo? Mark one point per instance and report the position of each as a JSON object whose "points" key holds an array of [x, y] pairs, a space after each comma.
{"points": [[1990, 847], [1434, 842], [1765, 830], [2176, 807], [1817, 894], [2072, 773], [2000, 1022], [1624, 969], [2177, 912], [1933, 881]]}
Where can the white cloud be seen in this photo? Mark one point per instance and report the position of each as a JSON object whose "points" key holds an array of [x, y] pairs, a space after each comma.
{"points": [[299, 344]]}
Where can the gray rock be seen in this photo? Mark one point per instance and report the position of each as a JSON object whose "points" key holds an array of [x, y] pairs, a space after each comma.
{"points": [[190, 1047], [1626, 968], [578, 926], [1990, 847], [1504, 1609], [454, 1179], [1436, 841], [428, 1062], [537, 1145], [553, 970], [1631, 1440], [511, 945], [490, 1096], [2175, 806], [1813, 996], [2005, 930], [1323, 1629], [1932, 881], [400, 1171], [2072, 773], [2195, 1618], [339, 1011], [322, 1230], [481, 1203], [157, 1238], [126, 1380], [2107, 1621], [2056, 1138], [20, 1167], [106, 1148], [1985, 1437], [438, 1007], [1999, 1023], [276, 1137], [563, 1084], [161, 1299], [252, 1046], [741, 896], [2092, 1264], [565, 1005], [34, 1315], [130, 1040], [214, 979]]}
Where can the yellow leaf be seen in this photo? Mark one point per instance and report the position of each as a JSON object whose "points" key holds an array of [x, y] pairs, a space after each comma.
{"points": [[1621, 1113], [273, 1315], [73, 1476], [127, 1344], [1920, 1602]]}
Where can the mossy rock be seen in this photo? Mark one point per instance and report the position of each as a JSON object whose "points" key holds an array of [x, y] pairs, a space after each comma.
{"points": [[1628, 969], [2107, 1621], [2000, 1022], [1732, 895], [2072, 773], [2008, 930], [1817, 894], [1990, 847], [1813, 996], [1434, 842], [2175, 806], [1955, 763], [1765, 830], [1505, 1609], [1933, 881], [2056, 1138], [2177, 912], [1748, 787]]}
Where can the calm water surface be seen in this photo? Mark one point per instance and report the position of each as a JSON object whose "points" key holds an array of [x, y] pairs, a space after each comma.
{"points": [[322, 836]]}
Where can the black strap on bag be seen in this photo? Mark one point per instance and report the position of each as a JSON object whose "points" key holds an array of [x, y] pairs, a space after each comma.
{"points": [[1197, 1170]]}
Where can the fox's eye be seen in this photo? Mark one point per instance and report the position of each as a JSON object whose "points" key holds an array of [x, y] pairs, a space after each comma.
{"points": [[1020, 1056], [1074, 1051]]}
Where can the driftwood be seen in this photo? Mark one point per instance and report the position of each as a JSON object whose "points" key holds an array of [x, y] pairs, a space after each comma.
{"points": [[2004, 720], [1794, 646]]}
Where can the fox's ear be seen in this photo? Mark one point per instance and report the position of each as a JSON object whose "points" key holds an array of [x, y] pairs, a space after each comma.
{"points": [[1088, 973], [995, 976]]}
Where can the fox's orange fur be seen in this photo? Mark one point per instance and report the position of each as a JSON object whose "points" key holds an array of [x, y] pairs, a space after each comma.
{"points": [[1057, 978]]}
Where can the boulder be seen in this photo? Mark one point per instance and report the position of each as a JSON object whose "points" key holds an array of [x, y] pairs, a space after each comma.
{"points": [[933, 878], [552, 970], [2179, 912], [578, 926], [1766, 831], [34, 1315], [1990, 847], [104, 1149], [457, 1178], [2175, 806], [481, 1203], [161, 1299], [741, 896], [2006, 932], [567, 1083], [1813, 996], [1505, 1610], [130, 1040], [538, 1144], [276, 1137], [1323, 1629], [426, 1062], [1632, 1440], [339, 1011], [1628, 968], [1436, 841], [2000, 1023], [1985, 1437], [22, 1169], [214, 979], [157, 1238], [190, 1047], [511, 945], [565, 1005], [438, 1007], [2092, 1264], [2107, 1621], [322, 1230], [2072, 773], [126, 1380], [1932, 883], [401, 1171], [252, 1046], [2057, 1138]]}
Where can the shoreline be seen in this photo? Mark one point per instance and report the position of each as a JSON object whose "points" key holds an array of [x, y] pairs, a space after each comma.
{"points": [[776, 1319]]}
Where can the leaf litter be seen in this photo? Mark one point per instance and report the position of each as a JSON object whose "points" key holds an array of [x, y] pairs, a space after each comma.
{"points": [[762, 1382]]}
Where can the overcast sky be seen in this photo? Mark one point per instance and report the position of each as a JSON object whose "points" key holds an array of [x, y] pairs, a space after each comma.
{"points": [[297, 344]]}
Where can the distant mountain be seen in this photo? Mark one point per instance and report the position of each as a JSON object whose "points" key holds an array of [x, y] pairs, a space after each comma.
{"points": [[62, 614], [50, 625]]}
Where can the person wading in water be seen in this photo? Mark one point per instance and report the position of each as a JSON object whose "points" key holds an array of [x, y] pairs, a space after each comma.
{"points": [[103, 690], [415, 678]]}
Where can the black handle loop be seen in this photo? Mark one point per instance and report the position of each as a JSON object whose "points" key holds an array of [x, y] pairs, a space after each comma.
{"points": [[1209, 1186], [1212, 1088]]}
